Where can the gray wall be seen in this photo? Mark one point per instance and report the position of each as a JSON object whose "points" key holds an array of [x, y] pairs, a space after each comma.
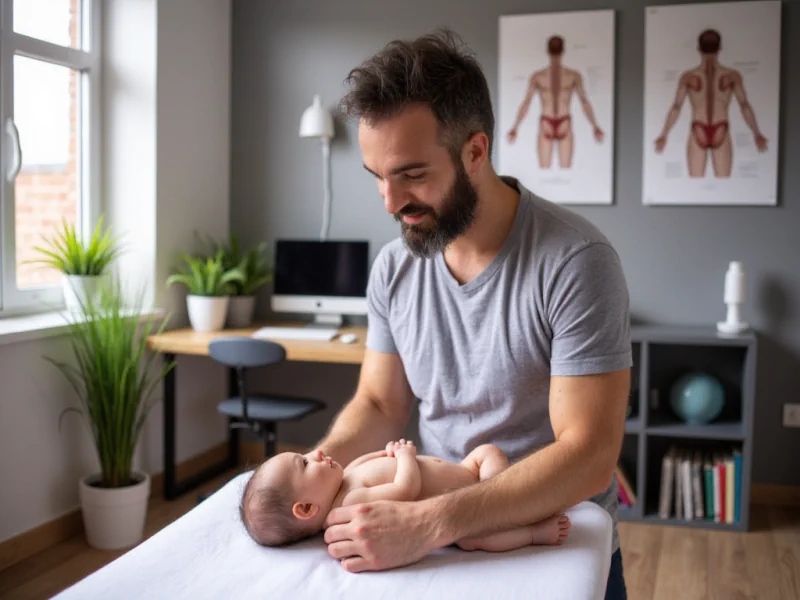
{"points": [[674, 257]]}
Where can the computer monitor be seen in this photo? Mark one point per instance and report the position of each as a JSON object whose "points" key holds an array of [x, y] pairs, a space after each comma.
{"points": [[327, 279]]}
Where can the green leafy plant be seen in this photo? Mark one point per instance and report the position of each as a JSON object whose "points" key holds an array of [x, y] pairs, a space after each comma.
{"points": [[114, 377], [206, 275], [252, 263], [68, 253]]}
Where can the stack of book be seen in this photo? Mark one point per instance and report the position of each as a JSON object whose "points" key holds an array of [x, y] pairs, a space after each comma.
{"points": [[626, 493], [701, 485]]}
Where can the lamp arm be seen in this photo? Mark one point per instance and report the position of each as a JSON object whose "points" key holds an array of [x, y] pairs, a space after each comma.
{"points": [[326, 177]]}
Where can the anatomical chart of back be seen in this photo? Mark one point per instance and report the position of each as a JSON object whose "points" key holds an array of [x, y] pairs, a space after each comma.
{"points": [[556, 104], [711, 102]]}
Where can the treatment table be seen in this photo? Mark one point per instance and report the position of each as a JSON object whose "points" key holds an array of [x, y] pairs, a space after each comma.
{"points": [[208, 554]]}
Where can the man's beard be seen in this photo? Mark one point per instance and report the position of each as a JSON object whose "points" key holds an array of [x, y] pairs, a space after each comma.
{"points": [[454, 218]]}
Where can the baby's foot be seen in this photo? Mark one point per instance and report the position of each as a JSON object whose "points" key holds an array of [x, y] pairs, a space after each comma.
{"points": [[550, 532]]}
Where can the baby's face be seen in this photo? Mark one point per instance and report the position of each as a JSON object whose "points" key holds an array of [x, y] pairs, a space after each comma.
{"points": [[314, 478]]}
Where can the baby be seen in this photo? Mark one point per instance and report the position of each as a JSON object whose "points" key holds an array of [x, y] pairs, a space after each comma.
{"points": [[289, 496]]}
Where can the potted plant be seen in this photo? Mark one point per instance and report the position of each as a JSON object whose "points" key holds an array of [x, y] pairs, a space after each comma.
{"points": [[256, 272], [210, 285], [82, 263], [114, 379]]}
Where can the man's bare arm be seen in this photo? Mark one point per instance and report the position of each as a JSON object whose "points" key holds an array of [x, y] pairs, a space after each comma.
{"points": [[588, 418], [748, 114], [378, 412]]}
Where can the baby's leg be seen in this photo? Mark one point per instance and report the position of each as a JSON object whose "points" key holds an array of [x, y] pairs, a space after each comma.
{"points": [[551, 531], [485, 462]]}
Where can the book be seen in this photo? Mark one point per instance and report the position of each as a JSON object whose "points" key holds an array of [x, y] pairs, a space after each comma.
{"points": [[697, 486], [737, 486], [709, 487], [729, 486], [666, 490]]}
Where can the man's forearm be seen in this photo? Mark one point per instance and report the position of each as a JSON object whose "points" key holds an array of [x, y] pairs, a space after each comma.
{"points": [[550, 480], [359, 428]]}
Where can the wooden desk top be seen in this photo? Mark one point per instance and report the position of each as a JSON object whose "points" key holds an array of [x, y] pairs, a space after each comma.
{"points": [[188, 341]]}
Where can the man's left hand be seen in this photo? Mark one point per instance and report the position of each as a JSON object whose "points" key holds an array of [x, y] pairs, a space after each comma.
{"points": [[380, 535]]}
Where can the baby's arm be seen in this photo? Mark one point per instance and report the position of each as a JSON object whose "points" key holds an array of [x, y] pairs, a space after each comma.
{"points": [[407, 482]]}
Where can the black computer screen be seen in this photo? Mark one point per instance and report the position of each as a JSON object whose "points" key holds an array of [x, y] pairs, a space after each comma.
{"points": [[315, 268]]}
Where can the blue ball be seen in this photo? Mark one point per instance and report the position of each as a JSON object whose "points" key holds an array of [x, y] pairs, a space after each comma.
{"points": [[697, 398]]}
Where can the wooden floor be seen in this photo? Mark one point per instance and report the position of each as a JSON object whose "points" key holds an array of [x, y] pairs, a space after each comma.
{"points": [[661, 563]]}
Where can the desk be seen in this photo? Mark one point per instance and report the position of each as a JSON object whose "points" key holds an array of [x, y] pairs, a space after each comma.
{"points": [[195, 343]]}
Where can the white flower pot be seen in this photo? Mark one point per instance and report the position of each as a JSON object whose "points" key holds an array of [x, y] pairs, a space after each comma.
{"points": [[207, 313], [79, 288], [114, 518], [240, 311]]}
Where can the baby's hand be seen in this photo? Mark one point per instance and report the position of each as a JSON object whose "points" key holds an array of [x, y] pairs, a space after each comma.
{"points": [[390, 448], [405, 447]]}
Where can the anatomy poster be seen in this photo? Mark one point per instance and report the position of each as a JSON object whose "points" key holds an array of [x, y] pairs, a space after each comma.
{"points": [[556, 104], [712, 78]]}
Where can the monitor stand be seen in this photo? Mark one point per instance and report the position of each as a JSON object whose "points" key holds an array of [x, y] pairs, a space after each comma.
{"points": [[331, 322]]}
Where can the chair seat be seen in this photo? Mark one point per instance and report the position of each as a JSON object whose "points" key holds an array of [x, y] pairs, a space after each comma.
{"points": [[270, 408]]}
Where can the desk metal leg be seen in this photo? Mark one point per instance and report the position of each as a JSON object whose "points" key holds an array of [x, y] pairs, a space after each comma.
{"points": [[233, 433], [169, 430], [173, 488]]}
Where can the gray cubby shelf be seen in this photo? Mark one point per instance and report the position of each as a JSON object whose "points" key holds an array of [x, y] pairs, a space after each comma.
{"points": [[661, 354]]}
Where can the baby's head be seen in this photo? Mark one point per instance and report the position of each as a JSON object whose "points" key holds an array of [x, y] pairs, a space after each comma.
{"points": [[289, 496]]}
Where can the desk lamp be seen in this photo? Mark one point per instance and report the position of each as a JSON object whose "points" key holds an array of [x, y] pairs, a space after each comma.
{"points": [[318, 122]]}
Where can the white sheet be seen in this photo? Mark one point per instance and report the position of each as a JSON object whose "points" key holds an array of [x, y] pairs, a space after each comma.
{"points": [[207, 554]]}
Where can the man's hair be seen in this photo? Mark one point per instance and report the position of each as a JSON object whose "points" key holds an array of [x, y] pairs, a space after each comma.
{"points": [[709, 41], [266, 513], [555, 45], [435, 70]]}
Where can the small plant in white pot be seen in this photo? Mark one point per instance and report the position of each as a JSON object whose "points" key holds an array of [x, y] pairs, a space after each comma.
{"points": [[209, 284], [83, 264], [255, 268], [114, 378]]}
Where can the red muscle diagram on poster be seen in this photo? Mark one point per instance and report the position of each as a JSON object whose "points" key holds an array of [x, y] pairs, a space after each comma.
{"points": [[556, 102], [711, 103]]}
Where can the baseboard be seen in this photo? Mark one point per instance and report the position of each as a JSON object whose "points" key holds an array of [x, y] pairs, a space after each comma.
{"points": [[40, 538], [773, 494], [49, 534]]}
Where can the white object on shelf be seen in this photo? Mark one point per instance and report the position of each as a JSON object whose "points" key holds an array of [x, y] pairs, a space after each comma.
{"points": [[734, 298], [348, 338], [322, 334]]}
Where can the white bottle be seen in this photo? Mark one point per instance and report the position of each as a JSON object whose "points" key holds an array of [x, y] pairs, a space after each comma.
{"points": [[734, 298]]}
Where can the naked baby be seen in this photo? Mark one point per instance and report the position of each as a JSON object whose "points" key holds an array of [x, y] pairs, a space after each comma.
{"points": [[289, 496]]}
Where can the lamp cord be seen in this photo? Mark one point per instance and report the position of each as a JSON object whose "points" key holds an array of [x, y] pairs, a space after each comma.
{"points": [[326, 176]]}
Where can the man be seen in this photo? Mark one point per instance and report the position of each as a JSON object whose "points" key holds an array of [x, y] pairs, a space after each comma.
{"points": [[710, 87], [504, 316], [555, 84]]}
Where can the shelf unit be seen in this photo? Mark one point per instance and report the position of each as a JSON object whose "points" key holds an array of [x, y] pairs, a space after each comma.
{"points": [[661, 354]]}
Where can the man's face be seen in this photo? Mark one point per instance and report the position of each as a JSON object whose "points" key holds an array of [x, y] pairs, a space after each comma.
{"points": [[432, 198]]}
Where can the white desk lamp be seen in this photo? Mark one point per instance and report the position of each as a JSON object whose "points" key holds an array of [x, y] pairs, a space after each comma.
{"points": [[734, 298], [318, 122]]}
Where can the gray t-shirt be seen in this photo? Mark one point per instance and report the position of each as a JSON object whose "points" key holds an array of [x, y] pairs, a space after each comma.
{"points": [[479, 356]]}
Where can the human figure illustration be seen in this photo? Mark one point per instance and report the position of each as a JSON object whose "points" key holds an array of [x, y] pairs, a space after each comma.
{"points": [[555, 84], [710, 87]]}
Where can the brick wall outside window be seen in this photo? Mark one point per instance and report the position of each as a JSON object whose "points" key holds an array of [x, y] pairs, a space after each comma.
{"points": [[47, 193]]}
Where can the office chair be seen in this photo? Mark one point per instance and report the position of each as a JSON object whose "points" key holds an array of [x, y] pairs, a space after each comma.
{"points": [[258, 412]]}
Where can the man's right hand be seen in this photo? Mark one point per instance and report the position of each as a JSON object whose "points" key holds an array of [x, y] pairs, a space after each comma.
{"points": [[661, 141], [512, 136]]}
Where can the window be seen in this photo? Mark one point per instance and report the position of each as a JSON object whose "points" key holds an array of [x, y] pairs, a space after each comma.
{"points": [[49, 110]]}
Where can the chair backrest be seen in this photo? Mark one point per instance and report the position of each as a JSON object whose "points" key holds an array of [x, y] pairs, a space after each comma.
{"points": [[236, 351]]}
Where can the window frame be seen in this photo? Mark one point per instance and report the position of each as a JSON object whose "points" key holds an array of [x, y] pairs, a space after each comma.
{"points": [[87, 61]]}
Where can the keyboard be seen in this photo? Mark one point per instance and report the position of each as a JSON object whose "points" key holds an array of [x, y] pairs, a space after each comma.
{"points": [[320, 334]]}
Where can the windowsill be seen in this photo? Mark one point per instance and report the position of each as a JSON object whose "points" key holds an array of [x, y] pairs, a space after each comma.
{"points": [[26, 328]]}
